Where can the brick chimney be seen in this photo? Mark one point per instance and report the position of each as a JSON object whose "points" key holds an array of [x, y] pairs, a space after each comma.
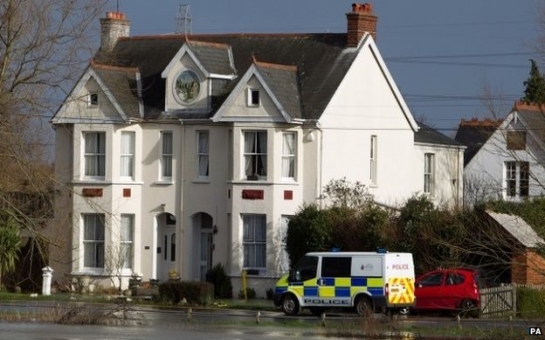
{"points": [[360, 20], [113, 27]]}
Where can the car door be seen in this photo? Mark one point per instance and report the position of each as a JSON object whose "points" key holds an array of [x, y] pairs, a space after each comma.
{"points": [[454, 290], [428, 290]]}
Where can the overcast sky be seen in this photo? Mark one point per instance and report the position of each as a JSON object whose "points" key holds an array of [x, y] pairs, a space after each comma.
{"points": [[440, 53]]}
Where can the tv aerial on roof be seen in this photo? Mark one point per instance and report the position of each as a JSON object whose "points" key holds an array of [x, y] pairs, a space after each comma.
{"points": [[183, 20]]}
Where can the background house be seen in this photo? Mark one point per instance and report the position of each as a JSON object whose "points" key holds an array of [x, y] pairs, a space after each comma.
{"points": [[179, 152], [509, 163]]}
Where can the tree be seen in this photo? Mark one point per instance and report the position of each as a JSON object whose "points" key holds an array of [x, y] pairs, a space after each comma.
{"points": [[9, 244], [44, 45], [535, 86]]}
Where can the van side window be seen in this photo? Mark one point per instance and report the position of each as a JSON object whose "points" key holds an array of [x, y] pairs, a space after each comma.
{"points": [[305, 269], [336, 266]]}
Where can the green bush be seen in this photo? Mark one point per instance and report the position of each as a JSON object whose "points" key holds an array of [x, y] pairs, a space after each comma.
{"points": [[530, 303], [195, 293], [250, 293], [223, 289], [269, 293]]}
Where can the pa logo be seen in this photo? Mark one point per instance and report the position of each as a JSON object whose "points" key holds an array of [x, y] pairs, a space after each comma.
{"points": [[535, 331]]}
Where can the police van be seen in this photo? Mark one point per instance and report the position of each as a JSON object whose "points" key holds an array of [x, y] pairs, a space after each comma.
{"points": [[366, 282]]}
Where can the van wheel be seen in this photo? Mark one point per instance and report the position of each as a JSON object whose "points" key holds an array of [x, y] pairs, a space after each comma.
{"points": [[290, 305], [364, 306], [316, 311]]}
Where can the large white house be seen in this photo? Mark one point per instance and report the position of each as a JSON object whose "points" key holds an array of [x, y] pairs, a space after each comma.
{"points": [[181, 152], [507, 157]]}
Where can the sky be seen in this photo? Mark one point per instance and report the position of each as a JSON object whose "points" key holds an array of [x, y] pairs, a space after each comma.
{"points": [[445, 56]]}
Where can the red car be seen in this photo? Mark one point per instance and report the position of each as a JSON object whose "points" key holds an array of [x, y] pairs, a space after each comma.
{"points": [[454, 289]]}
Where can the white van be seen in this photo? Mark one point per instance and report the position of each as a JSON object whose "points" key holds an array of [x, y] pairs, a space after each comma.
{"points": [[364, 281]]}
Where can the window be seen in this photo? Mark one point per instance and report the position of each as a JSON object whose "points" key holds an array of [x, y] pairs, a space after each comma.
{"points": [[429, 173], [253, 97], [93, 240], [202, 154], [336, 266], [255, 154], [254, 241], [126, 239], [284, 257], [95, 154], [127, 154], [305, 269], [289, 154], [373, 160], [166, 157], [516, 140], [431, 280], [92, 99], [517, 179]]}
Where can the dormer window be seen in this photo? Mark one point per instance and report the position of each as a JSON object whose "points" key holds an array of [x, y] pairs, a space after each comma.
{"points": [[92, 99], [253, 97]]}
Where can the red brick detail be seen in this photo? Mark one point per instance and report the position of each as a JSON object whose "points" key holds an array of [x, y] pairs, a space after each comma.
{"points": [[288, 195], [126, 192], [359, 21], [528, 268], [91, 192], [252, 194]]}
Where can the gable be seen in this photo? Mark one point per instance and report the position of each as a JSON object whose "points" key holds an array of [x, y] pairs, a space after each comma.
{"points": [[92, 101], [368, 96], [273, 104]]}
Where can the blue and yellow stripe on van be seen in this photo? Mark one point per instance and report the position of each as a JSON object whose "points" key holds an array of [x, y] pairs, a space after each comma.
{"points": [[344, 287]]}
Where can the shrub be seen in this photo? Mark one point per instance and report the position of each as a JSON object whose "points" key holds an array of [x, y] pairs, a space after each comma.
{"points": [[250, 293], [195, 293], [269, 293], [530, 303], [223, 288]]}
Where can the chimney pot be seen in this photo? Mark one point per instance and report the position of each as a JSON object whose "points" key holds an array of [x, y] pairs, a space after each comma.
{"points": [[360, 21], [114, 26]]}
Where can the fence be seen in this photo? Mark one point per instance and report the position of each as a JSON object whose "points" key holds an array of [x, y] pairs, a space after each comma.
{"points": [[501, 301]]}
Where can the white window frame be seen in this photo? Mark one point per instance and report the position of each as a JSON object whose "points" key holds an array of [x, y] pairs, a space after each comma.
{"points": [[126, 241], [93, 240], [166, 155], [203, 156], [429, 173], [254, 241], [126, 170], [289, 156], [251, 100], [92, 100], [373, 147], [255, 155], [94, 150], [284, 260], [515, 174]]}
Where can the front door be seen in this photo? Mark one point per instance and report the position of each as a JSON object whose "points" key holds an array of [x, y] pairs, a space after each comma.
{"points": [[166, 246], [206, 253]]}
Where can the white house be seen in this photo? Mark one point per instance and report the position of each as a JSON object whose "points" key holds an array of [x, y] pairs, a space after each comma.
{"points": [[509, 161], [181, 152]]}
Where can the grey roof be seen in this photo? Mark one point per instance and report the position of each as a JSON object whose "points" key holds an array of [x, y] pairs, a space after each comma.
{"points": [[214, 57], [535, 123], [429, 135], [321, 62], [473, 134], [122, 83], [518, 228], [282, 81]]}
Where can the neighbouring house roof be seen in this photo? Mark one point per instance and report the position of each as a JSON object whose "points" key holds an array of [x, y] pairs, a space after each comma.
{"points": [[429, 135], [518, 228], [533, 117], [474, 133], [313, 65]]}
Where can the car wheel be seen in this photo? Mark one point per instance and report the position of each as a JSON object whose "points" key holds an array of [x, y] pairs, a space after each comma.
{"points": [[290, 305], [469, 309], [364, 306]]}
